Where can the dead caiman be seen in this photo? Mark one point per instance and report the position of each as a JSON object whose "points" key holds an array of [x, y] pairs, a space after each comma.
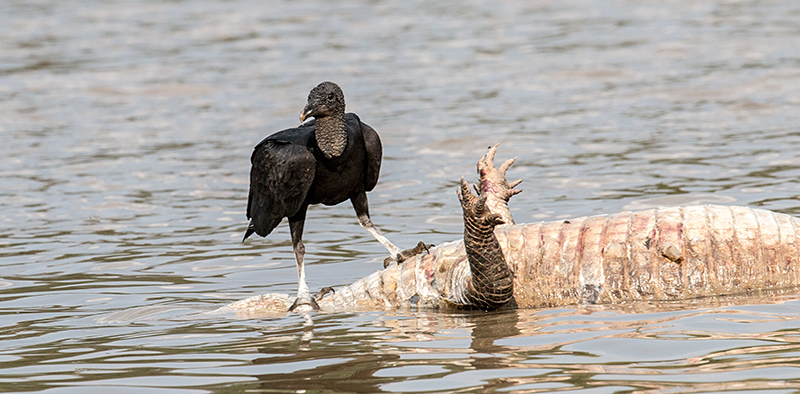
{"points": [[657, 254]]}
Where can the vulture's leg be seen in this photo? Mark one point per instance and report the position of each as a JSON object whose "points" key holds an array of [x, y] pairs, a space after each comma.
{"points": [[395, 254], [361, 206], [296, 228]]}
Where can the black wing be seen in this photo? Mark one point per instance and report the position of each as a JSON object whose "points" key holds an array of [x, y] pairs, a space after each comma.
{"points": [[372, 142], [280, 178]]}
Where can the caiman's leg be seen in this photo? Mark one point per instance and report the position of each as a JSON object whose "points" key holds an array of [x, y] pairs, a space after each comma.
{"points": [[491, 283], [303, 296], [361, 206]]}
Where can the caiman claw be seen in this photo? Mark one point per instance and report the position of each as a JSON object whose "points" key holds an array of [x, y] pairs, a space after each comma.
{"points": [[475, 209], [493, 180]]}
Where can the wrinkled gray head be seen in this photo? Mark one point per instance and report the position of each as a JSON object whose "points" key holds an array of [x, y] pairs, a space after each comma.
{"points": [[324, 100]]}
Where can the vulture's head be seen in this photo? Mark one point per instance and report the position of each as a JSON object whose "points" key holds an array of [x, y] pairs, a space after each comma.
{"points": [[324, 100]]}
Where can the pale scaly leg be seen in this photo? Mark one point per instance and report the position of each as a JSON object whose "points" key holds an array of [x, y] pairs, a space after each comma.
{"points": [[361, 206], [395, 254], [303, 296]]}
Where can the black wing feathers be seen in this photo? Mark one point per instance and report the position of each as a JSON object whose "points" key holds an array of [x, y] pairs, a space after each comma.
{"points": [[284, 169], [280, 178], [373, 157]]}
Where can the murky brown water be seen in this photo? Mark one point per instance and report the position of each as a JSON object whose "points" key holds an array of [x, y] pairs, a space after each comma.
{"points": [[126, 134]]}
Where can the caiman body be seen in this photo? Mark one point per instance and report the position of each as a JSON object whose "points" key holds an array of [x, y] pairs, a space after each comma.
{"points": [[657, 254]]}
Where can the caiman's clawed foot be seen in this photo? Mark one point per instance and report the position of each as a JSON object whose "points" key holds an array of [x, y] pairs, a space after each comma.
{"points": [[494, 179], [475, 210], [304, 303], [325, 290], [408, 253], [494, 186]]}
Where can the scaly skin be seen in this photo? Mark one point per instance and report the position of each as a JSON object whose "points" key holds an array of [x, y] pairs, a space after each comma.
{"points": [[490, 285], [658, 254]]}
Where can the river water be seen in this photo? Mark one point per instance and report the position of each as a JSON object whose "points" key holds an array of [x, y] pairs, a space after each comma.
{"points": [[126, 134]]}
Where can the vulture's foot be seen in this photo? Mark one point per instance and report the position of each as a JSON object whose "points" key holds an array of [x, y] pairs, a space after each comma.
{"points": [[408, 253], [304, 303], [323, 292]]}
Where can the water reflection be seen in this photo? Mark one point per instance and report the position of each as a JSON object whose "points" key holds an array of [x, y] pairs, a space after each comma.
{"points": [[639, 345], [386, 356]]}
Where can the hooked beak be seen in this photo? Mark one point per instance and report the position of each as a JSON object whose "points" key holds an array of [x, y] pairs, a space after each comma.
{"points": [[315, 109], [306, 113], [312, 109]]}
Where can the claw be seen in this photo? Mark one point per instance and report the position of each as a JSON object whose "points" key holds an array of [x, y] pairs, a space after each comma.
{"points": [[426, 246], [323, 292], [465, 196], [408, 253], [480, 205], [504, 167], [304, 301], [488, 158], [495, 219], [493, 187]]}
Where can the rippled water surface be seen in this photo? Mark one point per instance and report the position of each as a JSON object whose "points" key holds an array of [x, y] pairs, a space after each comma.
{"points": [[126, 134]]}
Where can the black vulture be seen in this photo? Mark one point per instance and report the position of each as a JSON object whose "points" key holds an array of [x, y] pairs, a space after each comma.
{"points": [[328, 160]]}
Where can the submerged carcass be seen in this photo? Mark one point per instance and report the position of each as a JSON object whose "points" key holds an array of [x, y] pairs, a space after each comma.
{"points": [[656, 254]]}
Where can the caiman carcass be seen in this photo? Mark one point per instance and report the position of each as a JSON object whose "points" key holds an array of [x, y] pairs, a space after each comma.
{"points": [[658, 254]]}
